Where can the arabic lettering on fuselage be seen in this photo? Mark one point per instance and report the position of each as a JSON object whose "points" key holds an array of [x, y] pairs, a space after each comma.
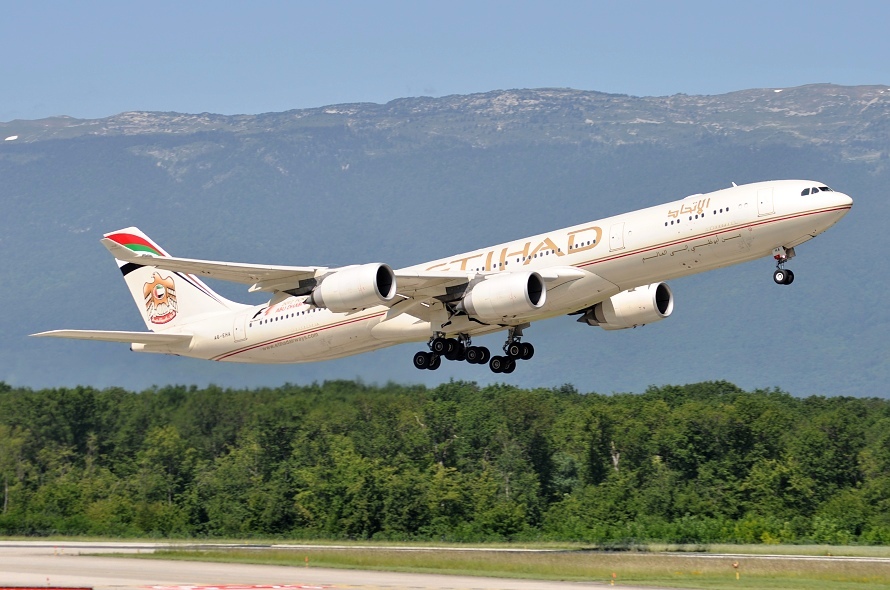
{"points": [[692, 208], [576, 240]]}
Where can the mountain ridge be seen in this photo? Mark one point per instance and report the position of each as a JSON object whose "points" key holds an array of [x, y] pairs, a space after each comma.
{"points": [[612, 119]]}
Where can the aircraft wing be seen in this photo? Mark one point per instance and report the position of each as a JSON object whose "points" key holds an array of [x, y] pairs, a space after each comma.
{"points": [[262, 277], [414, 285], [147, 338]]}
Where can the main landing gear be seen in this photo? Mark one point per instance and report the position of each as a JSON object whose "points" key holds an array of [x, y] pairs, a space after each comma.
{"points": [[453, 349], [460, 349], [515, 350], [781, 275]]}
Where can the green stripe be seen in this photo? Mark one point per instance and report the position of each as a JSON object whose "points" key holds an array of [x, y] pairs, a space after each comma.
{"points": [[141, 248]]}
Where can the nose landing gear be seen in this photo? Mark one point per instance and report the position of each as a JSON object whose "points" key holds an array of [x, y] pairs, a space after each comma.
{"points": [[781, 275]]}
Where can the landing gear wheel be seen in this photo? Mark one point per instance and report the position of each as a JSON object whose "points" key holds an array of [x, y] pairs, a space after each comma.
{"points": [[474, 355], [528, 351], [458, 353], [780, 276], [789, 278], [486, 355], [514, 349], [497, 364], [422, 360], [441, 345], [511, 366], [435, 363]]}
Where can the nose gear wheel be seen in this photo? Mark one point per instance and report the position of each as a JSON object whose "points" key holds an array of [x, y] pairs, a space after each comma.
{"points": [[783, 276]]}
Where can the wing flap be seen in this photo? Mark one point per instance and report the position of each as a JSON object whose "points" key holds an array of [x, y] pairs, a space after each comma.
{"points": [[147, 338]]}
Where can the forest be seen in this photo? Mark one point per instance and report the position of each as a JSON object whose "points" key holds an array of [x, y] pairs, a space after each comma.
{"points": [[698, 463]]}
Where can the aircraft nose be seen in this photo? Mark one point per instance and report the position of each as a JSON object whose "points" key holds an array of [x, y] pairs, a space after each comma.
{"points": [[842, 200]]}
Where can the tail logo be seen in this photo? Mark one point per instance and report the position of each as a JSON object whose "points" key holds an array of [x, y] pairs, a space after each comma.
{"points": [[160, 299]]}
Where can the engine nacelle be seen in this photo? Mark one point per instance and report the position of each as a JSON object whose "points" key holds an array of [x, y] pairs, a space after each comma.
{"points": [[505, 295], [633, 308], [355, 287]]}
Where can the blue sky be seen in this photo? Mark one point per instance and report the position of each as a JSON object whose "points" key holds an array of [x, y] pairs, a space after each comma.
{"points": [[98, 58]]}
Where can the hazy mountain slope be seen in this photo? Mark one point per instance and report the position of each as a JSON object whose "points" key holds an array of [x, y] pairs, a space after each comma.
{"points": [[416, 179]]}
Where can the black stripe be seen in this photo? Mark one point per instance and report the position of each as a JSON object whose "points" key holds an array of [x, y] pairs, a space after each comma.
{"points": [[130, 267]]}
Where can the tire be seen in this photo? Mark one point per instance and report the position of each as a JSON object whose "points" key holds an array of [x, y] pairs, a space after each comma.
{"points": [[496, 364], [457, 352], [780, 276], [474, 355], [486, 355], [435, 362], [514, 350], [528, 351], [421, 360], [440, 345], [460, 353], [511, 366], [789, 278]]}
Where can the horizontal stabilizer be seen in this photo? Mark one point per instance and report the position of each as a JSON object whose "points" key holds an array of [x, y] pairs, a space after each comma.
{"points": [[147, 338]]}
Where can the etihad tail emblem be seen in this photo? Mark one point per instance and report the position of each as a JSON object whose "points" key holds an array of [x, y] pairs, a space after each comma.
{"points": [[160, 299]]}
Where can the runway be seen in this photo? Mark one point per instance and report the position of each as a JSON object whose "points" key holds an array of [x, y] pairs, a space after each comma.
{"points": [[43, 563]]}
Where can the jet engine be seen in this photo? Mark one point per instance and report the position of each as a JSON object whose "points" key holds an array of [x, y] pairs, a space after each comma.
{"points": [[504, 295], [355, 287], [629, 309]]}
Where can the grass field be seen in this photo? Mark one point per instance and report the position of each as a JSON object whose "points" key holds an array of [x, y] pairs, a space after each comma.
{"points": [[672, 569]]}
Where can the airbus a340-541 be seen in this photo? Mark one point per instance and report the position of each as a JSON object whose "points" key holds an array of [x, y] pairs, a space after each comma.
{"points": [[609, 272]]}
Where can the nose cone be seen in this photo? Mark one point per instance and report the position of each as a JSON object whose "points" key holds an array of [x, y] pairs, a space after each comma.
{"points": [[842, 200]]}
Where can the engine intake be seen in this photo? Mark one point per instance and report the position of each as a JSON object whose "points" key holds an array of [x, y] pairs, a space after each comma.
{"points": [[629, 309], [505, 295], [355, 287]]}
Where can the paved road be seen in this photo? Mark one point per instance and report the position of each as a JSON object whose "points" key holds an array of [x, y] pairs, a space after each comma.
{"points": [[41, 563]]}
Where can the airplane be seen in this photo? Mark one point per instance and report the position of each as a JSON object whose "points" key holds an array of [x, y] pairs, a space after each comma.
{"points": [[611, 273]]}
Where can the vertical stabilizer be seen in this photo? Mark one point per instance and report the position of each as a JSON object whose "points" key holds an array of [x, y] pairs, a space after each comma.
{"points": [[166, 299]]}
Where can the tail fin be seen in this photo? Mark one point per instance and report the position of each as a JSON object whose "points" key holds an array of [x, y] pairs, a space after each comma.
{"points": [[166, 299]]}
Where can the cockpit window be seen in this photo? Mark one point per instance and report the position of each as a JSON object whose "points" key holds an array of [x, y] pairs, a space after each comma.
{"points": [[814, 190]]}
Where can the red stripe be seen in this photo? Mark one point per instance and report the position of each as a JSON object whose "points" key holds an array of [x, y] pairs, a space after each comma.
{"points": [[297, 335], [124, 239]]}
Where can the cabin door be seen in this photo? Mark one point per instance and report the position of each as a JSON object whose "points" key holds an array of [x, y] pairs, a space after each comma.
{"points": [[765, 202], [616, 237], [240, 327]]}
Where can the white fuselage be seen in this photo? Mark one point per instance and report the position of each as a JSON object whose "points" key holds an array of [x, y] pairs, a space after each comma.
{"points": [[701, 232]]}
